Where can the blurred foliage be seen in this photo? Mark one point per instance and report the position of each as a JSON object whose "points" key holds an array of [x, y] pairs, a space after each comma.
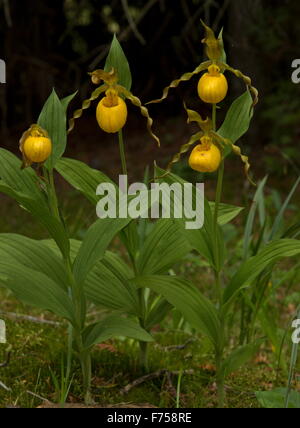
{"points": [[274, 33], [55, 43]]}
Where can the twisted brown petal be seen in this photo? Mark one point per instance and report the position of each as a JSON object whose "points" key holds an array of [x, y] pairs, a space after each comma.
{"points": [[236, 150], [184, 78], [85, 105], [144, 111], [245, 79], [184, 149]]}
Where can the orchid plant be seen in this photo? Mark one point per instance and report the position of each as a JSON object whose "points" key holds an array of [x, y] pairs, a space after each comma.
{"points": [[63, 275]]}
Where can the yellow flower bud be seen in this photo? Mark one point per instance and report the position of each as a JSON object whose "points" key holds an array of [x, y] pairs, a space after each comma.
{"points": [[37, 149], [206, 157], [213, 86], [111, 112]]}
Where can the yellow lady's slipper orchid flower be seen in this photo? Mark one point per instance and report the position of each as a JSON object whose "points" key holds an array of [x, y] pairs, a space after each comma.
{"points": [[214, 52], [213, 86], [206, 157], [111, 112], [209, 140], [35, 145]]}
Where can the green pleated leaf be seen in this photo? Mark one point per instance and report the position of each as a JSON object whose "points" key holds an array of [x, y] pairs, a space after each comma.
{"points": [[117, 59], [41, 212], [239, 357], [224, 55], [253, 267], [95, 243], [114, 326], [259, 194], [33, 255], [66, 101], [82, 177], [202, 240], [74, 247], [24, 187], [108, 283], [164, 247], [24, 181], [130, 237], [157, 313], [226, 212], [293, 231], [274, 335], [184, 296], [276, 399], [53, 120], [238, 118], [280, 216], [36, 289]]}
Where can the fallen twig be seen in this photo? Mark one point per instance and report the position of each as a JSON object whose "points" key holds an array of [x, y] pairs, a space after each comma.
{"points": [[2, 385], [13, 315], [39, 397], [151, 376], [177, 347]]}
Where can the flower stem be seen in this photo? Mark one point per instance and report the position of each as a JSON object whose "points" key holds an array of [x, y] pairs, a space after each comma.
{"points": [[144, 356], [216, 215], [55, 210], [122, 152], [216, 233], [86, 367], [214, 116], [220, 380], [218, 271], [52, 197], [76, 295], [219, 356]]}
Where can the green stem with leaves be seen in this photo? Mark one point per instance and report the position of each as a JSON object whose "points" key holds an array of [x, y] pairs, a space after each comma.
{"points": [[78, 298], [216, 216], [218, 272], [86, 367], [216, 234], [143, 357]]}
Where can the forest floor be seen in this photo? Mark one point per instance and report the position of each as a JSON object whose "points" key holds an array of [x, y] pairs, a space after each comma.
{"points": [[38, 348]]}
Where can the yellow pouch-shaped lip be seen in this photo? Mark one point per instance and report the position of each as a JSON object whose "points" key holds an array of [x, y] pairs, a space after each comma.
{"points": [[205, 158], [111, 119]]}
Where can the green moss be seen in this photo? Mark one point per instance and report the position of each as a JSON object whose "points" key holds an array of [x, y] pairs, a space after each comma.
{"points": [[37, 348]]}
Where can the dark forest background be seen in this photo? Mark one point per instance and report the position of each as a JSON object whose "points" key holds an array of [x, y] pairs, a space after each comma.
{"points": [[52, 43]]}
